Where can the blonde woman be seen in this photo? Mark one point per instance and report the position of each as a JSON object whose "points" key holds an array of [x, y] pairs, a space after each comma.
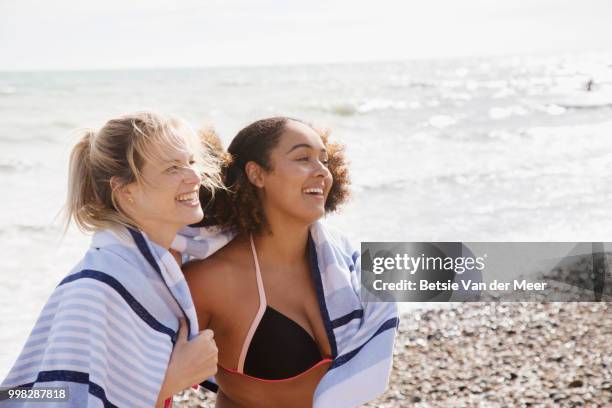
{"points": [[120, 329]]}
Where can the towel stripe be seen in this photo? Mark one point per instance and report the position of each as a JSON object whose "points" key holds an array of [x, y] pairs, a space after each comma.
{"points": [[345, 358], [144, 249], [341, 321], [321, 296], [127, 297]]}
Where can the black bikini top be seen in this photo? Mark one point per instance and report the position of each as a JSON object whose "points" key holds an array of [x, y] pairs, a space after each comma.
{"points": [[276, 347]]}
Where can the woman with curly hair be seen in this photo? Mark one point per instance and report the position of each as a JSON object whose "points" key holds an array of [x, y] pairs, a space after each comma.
{"points": [[283, 296]]}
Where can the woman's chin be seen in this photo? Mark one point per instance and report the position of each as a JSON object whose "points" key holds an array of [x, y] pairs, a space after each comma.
{"points": [[197, 219], [313, 216], [194, 218]]}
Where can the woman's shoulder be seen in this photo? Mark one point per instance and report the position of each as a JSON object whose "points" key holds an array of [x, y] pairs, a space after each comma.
{"points": [[219, 274], [222, 262]]}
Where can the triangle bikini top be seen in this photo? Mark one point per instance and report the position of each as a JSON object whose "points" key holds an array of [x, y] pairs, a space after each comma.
{"points": [[276, 348]]}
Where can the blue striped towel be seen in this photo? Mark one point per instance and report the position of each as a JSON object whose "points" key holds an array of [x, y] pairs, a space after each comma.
{"points": [[361, 334], [107, 331]]}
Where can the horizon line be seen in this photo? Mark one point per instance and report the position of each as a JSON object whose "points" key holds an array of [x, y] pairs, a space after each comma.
{"points": [[311, 63]]}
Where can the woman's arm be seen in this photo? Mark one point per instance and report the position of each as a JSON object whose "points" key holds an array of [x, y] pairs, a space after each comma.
{"points": [[88, 341], [191, 362], [194, 361]]}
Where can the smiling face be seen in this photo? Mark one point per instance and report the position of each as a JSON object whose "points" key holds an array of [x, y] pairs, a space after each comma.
{"points": [[167, 196], [299, 181]]}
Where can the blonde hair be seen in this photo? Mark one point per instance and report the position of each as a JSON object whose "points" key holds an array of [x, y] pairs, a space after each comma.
{"points": [[119, 150]]}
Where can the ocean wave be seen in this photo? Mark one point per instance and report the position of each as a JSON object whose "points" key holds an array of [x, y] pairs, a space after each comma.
{"points": [[30, 230], [587, 101], [442, 121], [586, 105], [236, 82], [64, 124], [35, 130], [502, 174], [12, 166], [409, 183], [33, 229], [387, 185], [351, 108], [499, 112], [7, 90], [27, 137], [422, 84]]}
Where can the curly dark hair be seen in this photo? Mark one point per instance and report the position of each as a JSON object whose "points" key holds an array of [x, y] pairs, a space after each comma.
{"points": [[238, 207]]}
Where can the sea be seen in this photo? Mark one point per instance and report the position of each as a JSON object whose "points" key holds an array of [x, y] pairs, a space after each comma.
{"points": [[468, 149]]}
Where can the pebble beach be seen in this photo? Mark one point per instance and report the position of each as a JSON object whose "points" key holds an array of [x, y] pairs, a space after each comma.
{"points": [[495, 355]]}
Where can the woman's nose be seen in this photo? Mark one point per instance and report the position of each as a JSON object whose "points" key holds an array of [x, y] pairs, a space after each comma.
{"points": [[192, 176], [321, 169]]}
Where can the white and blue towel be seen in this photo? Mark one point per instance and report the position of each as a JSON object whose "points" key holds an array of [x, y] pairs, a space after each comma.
{"points": [[361, 334], [108, 329]]}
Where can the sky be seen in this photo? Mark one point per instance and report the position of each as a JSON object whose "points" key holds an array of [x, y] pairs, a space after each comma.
{"points": [[116, 34]]}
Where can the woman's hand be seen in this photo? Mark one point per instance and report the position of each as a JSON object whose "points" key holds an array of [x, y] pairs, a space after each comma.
{"points": [[191, 362]]}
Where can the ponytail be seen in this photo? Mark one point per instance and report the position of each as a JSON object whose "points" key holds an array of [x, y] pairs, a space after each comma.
{"points": [[81, 192]]}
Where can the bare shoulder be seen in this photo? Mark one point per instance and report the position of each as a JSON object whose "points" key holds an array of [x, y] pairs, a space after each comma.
{"points": [[216, 278]]}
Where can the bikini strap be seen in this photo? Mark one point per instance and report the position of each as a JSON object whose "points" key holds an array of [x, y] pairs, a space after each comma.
{"points": [[260, 311]]}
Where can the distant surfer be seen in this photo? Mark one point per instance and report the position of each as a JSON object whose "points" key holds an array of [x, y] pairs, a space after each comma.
{"points": [[589, 85]]}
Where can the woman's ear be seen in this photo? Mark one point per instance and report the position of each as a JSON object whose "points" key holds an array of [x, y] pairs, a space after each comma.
{"points": [[255, 174], [121, 189]]}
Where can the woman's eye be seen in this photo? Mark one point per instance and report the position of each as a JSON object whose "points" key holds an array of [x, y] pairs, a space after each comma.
{"points": [[303, 159], [192, 162]]}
